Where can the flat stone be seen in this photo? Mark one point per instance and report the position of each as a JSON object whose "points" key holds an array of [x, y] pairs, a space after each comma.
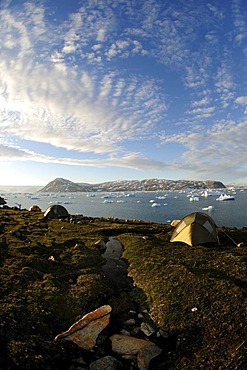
{"points": [[106, 363], [130, 322], [145, 355], [85, 331], [126, 345], [147, 328]]}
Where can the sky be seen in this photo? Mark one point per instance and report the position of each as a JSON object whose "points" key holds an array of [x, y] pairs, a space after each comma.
{"points": [[102, 90]]}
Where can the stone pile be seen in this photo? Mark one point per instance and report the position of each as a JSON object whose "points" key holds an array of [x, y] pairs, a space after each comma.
{"points": [[115, 340], [131, 347]]}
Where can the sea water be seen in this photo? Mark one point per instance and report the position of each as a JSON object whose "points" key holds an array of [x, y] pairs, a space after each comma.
{"points": [[161, 207]]}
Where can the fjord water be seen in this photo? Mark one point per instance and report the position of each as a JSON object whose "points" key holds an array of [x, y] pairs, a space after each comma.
{"points": [[137, 205]]}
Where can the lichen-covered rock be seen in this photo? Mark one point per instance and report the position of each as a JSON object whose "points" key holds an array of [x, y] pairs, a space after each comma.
{"points": [[145, 355], [144, 349], [106, 363], [101, 245], [126, 345], [85, 331]]}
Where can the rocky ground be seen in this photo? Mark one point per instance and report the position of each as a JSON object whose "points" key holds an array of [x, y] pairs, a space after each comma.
{"points": [[187, 303]]}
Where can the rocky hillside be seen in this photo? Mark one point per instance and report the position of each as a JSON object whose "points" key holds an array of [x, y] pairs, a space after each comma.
{"points": [[63, 185]]}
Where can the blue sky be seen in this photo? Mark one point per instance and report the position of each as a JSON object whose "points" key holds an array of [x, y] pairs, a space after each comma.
{"points": [[103, 90]]}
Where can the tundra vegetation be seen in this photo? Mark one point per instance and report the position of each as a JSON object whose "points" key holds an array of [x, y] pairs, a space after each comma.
{"points": [[51, 275]]}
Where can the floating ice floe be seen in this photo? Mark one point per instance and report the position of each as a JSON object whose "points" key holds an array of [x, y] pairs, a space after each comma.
{"points": [[209, 208]]}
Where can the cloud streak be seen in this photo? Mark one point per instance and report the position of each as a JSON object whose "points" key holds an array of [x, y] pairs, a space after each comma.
{"points": [[216, 151]]}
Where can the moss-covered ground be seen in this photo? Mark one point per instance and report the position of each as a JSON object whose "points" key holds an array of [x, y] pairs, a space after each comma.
{"points": [[51, 275]]}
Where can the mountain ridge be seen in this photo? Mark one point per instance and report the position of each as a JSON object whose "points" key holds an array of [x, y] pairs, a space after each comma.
{"points": [[63, 185]]}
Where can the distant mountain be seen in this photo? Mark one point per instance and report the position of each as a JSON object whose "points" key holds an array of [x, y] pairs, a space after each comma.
{"points": [[63, 185]]}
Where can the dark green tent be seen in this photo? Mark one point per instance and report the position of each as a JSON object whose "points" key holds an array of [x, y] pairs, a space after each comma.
{"points": [[2, 201], [56, 211]]}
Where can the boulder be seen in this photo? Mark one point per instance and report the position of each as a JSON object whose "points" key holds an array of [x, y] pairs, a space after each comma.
{"points": [[101, 245], [85, 331], [126, 345], [145, 355], [106, 363], [144, 349]]}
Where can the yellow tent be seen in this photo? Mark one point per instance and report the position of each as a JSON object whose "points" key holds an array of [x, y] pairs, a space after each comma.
{"points": [[195, 228], [35, 208], [56, 211]]}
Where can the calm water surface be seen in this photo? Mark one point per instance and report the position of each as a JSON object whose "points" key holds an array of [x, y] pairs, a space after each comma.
{"points": [[138, 205]]}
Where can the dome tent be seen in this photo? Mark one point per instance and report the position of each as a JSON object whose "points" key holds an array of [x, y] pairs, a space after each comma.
{"points": [[56, 211], [2, 201], [195, 228], [35, 208]]}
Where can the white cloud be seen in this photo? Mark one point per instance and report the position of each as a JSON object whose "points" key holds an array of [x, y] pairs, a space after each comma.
{"points": [[216, 12], [69, 48], [129, 160], [41, 101], [112, 52], [96, 47], [202, 102], [202, 112], [218, 152], [101, 34], [193, 79], [242, 100], [11, 152], [240, 27], [106, 86]]}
